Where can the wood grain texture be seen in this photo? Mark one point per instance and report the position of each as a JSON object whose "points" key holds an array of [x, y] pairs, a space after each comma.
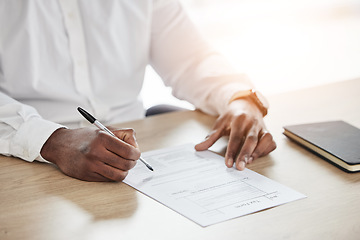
{"points": [[39, 202]]}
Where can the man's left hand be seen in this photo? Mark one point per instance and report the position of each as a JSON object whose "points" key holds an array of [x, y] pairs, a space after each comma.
{"points": [[248, 138]]}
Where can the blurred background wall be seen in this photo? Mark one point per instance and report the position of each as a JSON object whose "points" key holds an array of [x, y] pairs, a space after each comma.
{"points": [[281, 44]]}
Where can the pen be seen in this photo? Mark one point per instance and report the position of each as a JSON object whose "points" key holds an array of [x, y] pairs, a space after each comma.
{"points": [[98, 124]]}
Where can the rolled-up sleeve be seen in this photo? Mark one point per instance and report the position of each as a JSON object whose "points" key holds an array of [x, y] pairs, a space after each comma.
{"points": [[186, 62]]}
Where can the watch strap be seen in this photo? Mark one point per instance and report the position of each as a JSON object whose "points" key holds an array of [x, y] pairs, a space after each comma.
{"points": [[253, 95]]}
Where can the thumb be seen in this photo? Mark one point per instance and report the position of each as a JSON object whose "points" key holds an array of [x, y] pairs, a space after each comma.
{"points": [[128, 136]]}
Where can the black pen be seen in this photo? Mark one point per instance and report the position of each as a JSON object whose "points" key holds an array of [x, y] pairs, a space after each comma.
{"points": [[98, 124]]}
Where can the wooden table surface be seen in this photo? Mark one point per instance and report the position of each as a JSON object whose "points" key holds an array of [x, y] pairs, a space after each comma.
{"points": [[38, 202]]}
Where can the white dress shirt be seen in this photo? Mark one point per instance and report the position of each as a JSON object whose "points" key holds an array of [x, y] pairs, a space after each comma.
{"points": [[56, 55]]}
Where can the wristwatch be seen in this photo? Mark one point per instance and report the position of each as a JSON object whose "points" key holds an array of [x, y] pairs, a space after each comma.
{"points": [[255, 96]]}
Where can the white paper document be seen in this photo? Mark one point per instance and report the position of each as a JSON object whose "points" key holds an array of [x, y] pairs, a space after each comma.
{"points": [[200, 187]]}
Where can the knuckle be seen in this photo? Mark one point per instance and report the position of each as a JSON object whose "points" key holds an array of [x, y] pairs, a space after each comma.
{"points": [[252, 138], [109, 173], [133, 164], [129, 130], [221, 119], [100, 134], [132, 131], [131, 153], [102, 138], [126, 153], [273, 146], [240, 118], [128, 164], [83, 171], [91, 167], [268, 136], [256, 153], [237, 139], [137, 154]]}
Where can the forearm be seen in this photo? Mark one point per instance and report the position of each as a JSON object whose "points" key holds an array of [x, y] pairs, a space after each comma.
{"points": [[186, 62], [212, 94]]}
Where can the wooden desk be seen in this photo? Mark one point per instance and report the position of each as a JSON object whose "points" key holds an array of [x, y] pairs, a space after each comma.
{"points": [[38, 202]]}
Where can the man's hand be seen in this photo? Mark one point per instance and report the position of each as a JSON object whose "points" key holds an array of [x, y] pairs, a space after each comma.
{"points": [[92, 155], [248, 137]]}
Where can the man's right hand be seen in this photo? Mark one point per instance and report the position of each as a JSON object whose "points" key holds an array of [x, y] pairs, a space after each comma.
{"points": [[92, 155]]}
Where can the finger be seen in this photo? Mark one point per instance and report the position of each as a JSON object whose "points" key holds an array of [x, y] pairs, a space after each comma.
{"points": [[236, 141], [115, 161], [119, 147], [96, 170], [110, 173], [95, 177], [128, 136], [209, 140], [245, 155], [219, 130], [269, 149], [265, 146], [87, 173]]}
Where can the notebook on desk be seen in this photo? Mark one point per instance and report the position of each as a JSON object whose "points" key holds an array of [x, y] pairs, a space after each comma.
{"points": [[336, 141]]}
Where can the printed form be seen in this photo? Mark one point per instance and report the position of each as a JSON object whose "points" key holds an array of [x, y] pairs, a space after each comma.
{"points": [[200, 187]]}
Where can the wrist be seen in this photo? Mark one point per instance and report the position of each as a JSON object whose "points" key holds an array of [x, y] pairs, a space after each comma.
{"points": [[245, 105], [253, 96], [52, 145]]}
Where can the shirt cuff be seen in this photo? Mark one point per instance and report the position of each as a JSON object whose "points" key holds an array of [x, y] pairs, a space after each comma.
{"points": [[31, 137], [41, 159]]}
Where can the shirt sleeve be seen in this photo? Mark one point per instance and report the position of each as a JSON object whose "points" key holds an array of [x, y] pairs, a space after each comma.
{"points": [[186, 62], [22, 130]]}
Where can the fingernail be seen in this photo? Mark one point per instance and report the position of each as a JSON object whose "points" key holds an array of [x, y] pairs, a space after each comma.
{"points": [[250, 159], [241, 165], [230, 162], [246, 159]]}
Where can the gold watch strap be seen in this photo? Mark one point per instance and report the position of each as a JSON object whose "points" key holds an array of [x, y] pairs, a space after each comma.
{"points": [[255, 98]]}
